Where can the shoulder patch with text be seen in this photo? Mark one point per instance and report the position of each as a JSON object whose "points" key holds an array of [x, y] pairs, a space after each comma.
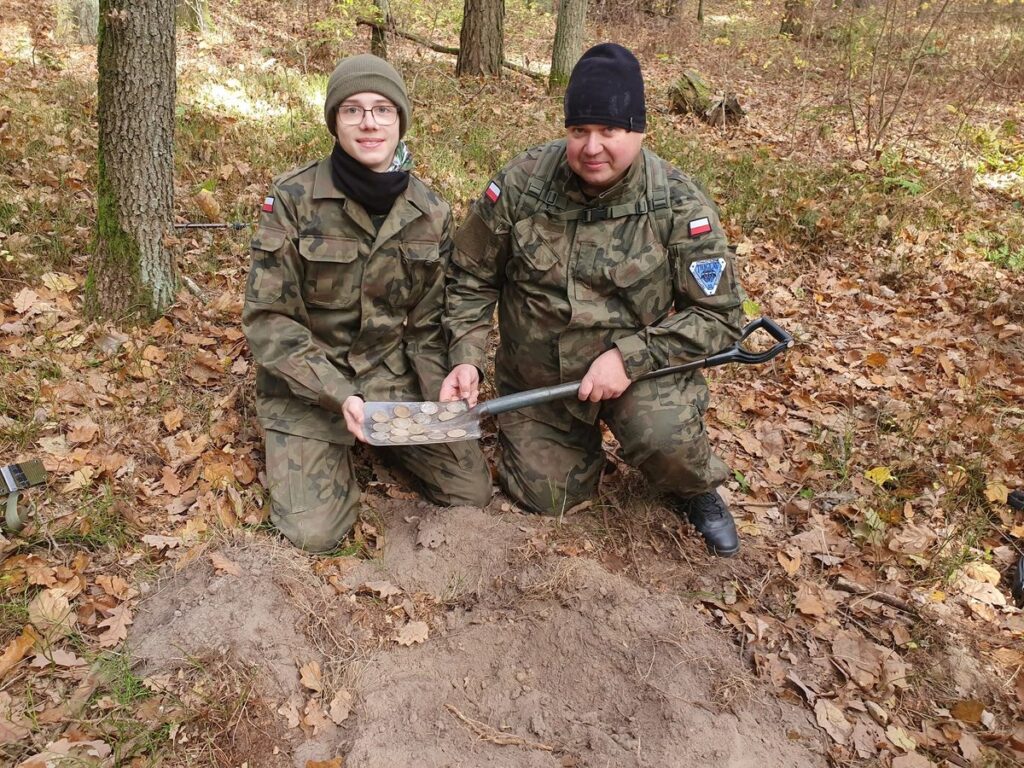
{"points": [[708, 274]]}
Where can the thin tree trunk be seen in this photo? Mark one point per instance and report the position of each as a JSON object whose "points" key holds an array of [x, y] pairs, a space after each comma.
{"points": [[700, 11], [378, 39], [132, 270], [794, 17], [78, 21], [569, 30], [482, 39], [194, 14]]}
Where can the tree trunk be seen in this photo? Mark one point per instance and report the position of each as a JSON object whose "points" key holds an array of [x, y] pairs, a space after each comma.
{"points": [[568, 45], [700, 11], [378, 40], [193, 14], [132, 271], [78, 21], [794, 17], [482, 40]]}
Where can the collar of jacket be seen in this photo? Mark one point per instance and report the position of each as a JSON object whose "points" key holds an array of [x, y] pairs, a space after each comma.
{"points": [[628, 188], [324, 188]]}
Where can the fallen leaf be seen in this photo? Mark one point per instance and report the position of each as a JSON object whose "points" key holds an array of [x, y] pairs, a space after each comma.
{"points": [[115, 586], [24, 300], [117, 626], [310, 676], [997, 493], [67, 752], [83, 431], [170, 481], [314, 716], [968, 711], [59, 282], [413, 632], [983, 572], [789, 559], [172, 419], [57, 657], [208, 204], [16, 649], [161, 542], [221, 563], [290, 710], [341, 706], [832, 720], [384, 589], [912, 760], [51, 613], [900, 738], [879, 475], [808, 601], [334, 762]]}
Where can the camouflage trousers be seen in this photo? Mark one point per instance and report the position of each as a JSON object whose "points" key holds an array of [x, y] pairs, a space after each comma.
{"points": [[314, 494], [660, 428]]}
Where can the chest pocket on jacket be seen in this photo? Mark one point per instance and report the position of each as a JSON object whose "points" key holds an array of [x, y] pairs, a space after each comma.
{"points": [[538, 244], [333, 274], [420, 261], [630, 271]]}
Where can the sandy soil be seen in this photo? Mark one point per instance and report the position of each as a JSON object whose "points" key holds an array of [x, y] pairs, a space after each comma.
{"points": [[531, 658]]}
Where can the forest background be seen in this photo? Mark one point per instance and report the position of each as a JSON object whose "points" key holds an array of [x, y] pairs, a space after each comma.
{"points": [[875, 193]]}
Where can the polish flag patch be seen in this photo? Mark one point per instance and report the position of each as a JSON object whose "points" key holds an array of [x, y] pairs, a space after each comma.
{"points": [[493, 192], [268, 205], [700, 227]]}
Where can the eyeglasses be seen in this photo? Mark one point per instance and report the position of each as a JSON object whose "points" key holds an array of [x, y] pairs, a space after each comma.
{"points": [[383, 114]]}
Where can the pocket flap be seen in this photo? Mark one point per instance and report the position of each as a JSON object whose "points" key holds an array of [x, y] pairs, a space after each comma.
{"points": [[421, 250], [267, 239], [534, 246], [336, 250], [635, 269]]}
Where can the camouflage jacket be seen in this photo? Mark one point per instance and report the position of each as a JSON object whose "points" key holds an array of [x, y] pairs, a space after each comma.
{"points": [[334, 307], [571, 281]]}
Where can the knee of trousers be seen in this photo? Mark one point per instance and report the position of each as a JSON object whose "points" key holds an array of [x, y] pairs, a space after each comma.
{"points": [[315, 530], [541, 493]]}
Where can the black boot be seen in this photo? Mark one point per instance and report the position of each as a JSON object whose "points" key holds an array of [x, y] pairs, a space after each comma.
{"points": [[711, 517]]}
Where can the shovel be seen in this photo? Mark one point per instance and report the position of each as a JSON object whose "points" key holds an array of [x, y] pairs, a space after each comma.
{"points": [[423, 423]]}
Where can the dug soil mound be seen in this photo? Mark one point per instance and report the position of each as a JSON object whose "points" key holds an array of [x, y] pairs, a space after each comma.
{"points": [[464, 644]]}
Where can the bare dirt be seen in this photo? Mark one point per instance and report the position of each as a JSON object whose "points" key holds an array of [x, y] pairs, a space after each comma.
{"points": [[532, 658]]}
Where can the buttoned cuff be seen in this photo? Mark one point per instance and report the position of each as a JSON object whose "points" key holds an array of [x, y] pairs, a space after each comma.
{"points": [[636, 357]]}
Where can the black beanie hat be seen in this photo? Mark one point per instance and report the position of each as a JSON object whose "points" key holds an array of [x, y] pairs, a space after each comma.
{"points": [[606, 88]]}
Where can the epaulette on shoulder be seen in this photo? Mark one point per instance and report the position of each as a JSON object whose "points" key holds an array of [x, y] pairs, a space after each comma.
{"points": [[293, 172]]}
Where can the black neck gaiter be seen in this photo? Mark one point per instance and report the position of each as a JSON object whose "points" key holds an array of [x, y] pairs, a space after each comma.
{"points": [[376, 192]]}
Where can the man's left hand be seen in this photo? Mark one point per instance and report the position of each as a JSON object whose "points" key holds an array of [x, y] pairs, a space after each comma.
{"points": [[606, 378]]}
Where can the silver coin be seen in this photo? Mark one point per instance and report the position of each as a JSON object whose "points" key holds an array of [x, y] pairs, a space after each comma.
{"points": [[401, 423], [417, 429], [457, 407], [446, 416], [402, 411], [429, 408], [421, 418], [399, 432], [418, 438], [379, 416], [381, 427], [456, 433], [437, 435], [398, 438]]}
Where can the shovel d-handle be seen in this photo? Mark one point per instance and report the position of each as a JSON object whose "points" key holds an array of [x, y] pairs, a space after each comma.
{"points": [[734, 354]]}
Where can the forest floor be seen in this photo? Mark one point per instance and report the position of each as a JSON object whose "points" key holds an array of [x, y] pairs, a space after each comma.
{"points": [[149, 614]]}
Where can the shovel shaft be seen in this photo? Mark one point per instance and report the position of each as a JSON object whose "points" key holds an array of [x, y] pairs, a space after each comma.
{"points": [[734, 354]]}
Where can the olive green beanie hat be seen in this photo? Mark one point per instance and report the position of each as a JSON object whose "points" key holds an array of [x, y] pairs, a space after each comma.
{"points": [[366, 73]]}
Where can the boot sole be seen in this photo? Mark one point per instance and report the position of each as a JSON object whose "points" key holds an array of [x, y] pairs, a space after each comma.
{"points": [[723, 552]]}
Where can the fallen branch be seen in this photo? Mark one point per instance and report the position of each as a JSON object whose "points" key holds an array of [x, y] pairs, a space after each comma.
{"points": [[845, 585], [451, 50], [487, 733]]}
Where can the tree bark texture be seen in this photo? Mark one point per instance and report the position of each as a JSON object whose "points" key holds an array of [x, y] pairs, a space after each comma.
{"points": [[568, 46], [482, 39], [378, 37], [133, 271]]}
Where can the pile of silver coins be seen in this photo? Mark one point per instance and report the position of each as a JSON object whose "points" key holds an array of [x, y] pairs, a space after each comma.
{"points": [[416, 422]]}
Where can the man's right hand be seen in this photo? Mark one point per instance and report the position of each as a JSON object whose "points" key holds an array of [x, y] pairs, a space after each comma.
{"points": [[463, 383]]}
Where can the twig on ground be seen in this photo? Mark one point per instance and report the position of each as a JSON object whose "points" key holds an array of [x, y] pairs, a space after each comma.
{"points": [[845, 585], [493, 735]]}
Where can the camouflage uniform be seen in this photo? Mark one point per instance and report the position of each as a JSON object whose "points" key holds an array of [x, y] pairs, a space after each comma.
{"points": [[572, 278], [336, 306]]}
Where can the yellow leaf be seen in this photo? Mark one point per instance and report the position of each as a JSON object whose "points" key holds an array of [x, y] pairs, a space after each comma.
{"points": [[879, 475], [16, 649], [413, 632], [997, 493], [208, 204], [789, 560], [310, 676]]}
